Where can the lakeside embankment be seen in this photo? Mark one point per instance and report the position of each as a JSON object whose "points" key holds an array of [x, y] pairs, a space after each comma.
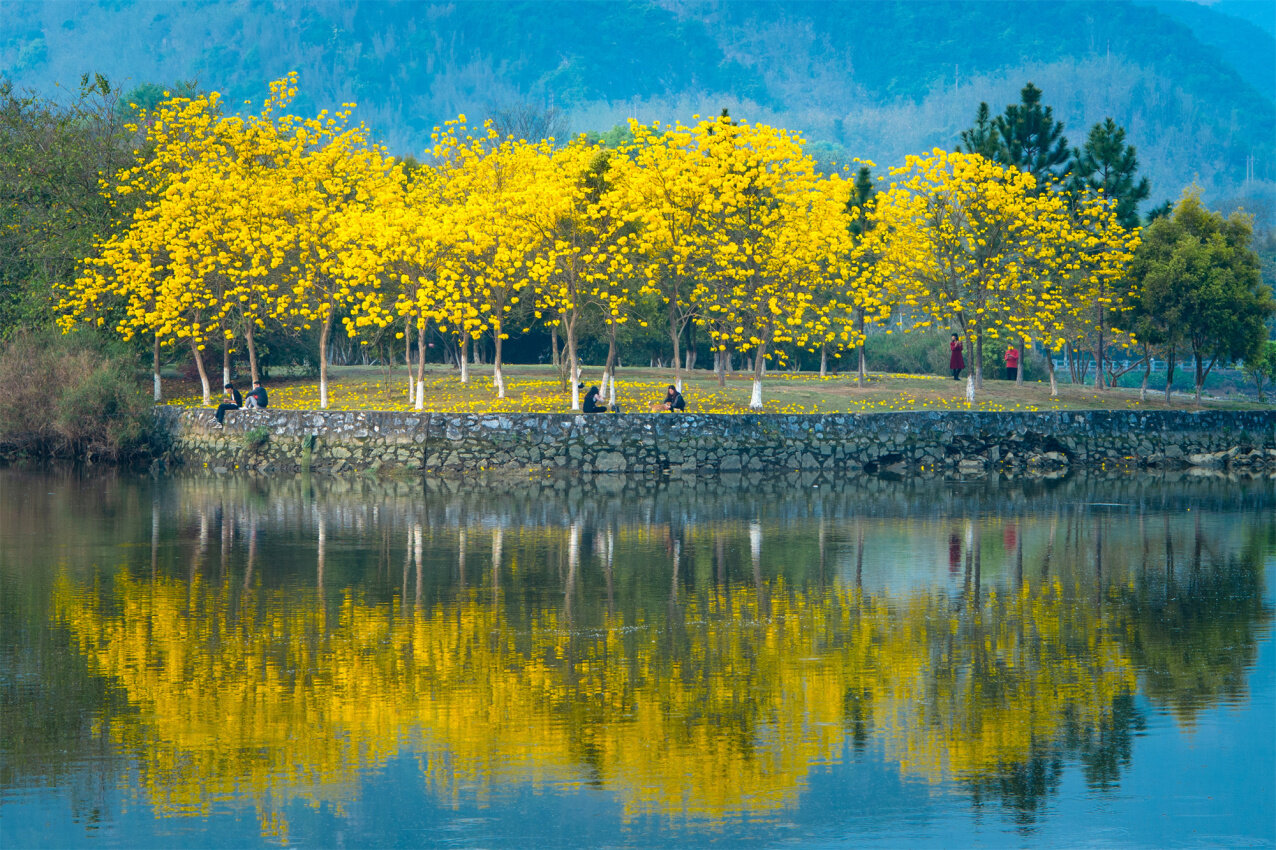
{"points": [[279, 441]]}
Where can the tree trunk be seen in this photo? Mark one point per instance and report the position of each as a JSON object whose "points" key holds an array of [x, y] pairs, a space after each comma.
{"points": [[1099, 383], [978, 348], [1023, 353], [824, 361], [1199, 378], [1147, 373], [722, 368], [407, 358], [553, 346], [203, 373], [155, 371], [677, 352], [323, 361], [464, 358], [419, 400], [1054, 385], [759, 369], [225, 362], [1169, 374], [498, 377], [861, 376], [573, 368], [252, 353], [609, 370]]}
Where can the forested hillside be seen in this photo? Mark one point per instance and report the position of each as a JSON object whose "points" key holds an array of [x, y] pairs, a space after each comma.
{"points": [[1193, 86]]}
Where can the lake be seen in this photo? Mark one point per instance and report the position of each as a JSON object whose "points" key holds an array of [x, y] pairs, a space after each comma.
{"points": [[234, 661]]}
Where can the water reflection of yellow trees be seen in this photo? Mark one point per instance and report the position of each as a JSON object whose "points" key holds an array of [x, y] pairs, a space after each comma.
{"points": [[725, 706]]}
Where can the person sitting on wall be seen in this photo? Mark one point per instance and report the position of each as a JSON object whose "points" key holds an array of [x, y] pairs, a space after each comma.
{"points": [[256, 397], [590, 404], [672, 401], [231, 400]]}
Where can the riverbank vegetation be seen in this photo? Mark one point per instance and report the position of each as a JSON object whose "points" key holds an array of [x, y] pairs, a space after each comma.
{"points": [[72, 397]]}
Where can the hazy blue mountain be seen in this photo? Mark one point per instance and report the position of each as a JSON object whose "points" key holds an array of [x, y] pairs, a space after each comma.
{"points": [[1192, 84], [1242, 42], [1260, 13]]}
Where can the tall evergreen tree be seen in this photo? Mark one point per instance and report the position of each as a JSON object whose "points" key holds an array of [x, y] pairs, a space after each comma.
{"points": [[1107, 164], [982, 138], [1031, 139], [859, 209]]}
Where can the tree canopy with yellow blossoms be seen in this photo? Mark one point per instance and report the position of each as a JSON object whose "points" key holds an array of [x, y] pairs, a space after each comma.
{"points": [[239, 225]]}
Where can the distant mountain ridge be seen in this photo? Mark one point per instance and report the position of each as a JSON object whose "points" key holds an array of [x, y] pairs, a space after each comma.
{"points": [[872, 79]]}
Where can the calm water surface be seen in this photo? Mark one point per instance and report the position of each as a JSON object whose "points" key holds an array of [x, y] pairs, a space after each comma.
{"points": [[237, 662]]}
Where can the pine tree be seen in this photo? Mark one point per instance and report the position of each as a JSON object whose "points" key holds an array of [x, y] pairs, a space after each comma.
{"points": [[859, 208], [982, 138], [1030, 138], [1107, 164]]}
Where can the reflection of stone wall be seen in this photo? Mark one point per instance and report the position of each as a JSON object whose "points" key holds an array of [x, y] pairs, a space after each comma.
{"points": [[971, 443]]}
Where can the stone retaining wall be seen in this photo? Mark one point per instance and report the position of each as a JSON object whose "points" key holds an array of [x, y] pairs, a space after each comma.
{"points": [[695, 444]]}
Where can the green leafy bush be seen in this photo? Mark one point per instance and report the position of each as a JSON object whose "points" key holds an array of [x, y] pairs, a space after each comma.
{"points": [[72, 397], [919, 353]]}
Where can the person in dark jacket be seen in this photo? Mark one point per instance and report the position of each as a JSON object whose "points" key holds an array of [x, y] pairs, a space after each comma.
{"points": [[257, 396], [590, 404], [672, 401], [955, 361], [231, 400]]}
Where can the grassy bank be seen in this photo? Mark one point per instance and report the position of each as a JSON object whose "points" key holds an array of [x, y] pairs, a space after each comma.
{"points": [[536, 389]]}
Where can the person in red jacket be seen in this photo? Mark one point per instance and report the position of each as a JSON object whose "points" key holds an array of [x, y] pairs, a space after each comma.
{"points": [[955, 361], [1012, 363]]}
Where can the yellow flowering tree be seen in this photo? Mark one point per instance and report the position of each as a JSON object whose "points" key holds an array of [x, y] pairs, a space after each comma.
{"points": [[511, 194], [333, 180], [164, 270], [586, 259], [662, 193], [1092, 271], [418, 238], [967, 238], [859, 290], [733, 230]]}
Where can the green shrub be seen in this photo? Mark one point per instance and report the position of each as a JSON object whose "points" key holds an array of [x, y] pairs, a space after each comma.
{"points": [[72, 397], [255, 439]]}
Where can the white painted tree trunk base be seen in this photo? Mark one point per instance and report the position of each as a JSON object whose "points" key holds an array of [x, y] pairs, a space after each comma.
{"points": [[970, 388], [156, 378], [755, 400]]}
